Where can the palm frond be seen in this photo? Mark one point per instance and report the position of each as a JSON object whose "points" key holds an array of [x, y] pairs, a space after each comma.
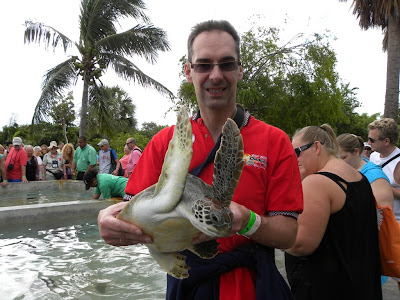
{"points": [[375, 13], [99, 17], [55, 81], [39, 32], [127, 70], [98, 103], [142, 40]]}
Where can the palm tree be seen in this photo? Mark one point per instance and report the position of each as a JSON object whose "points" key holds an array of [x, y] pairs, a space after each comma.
{"points": [[100, 48], [116, 108], [384, 14]]}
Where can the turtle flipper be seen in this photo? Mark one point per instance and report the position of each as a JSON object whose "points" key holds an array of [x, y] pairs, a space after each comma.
{"points": [[205, 250], [176, 163], [172, 262], [228, 163]]}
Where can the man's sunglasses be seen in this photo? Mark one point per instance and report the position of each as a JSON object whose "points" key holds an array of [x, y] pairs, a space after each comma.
{"points": [[226, 66], [302, 148], [374, 140]]}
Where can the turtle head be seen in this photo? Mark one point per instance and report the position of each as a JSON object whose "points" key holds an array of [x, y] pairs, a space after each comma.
{"points": [[210, 217]]}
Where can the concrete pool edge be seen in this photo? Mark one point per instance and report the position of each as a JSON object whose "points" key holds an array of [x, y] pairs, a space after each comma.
{"points": [[26, 214]]}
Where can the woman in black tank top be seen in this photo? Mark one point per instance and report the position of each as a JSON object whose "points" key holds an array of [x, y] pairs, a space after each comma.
{"points": [[336, 253], [32, 168]]}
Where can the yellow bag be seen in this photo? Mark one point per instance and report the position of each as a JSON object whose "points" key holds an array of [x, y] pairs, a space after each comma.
{"points": [[389, 241]]}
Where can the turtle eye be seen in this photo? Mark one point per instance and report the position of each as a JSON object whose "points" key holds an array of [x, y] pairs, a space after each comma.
{"points": [[216, 218]]}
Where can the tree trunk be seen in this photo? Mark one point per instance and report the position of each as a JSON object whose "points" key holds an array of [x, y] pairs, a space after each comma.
{"points": [[64, 125], [392, 72], [84, 108]]}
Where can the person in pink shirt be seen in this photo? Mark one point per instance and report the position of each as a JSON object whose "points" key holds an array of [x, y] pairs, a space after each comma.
{"points": [[136, 152], [16, 162], [125, 159]]}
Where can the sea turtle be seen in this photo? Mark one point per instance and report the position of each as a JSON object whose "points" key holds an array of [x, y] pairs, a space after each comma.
{"points": [[175, 209]]}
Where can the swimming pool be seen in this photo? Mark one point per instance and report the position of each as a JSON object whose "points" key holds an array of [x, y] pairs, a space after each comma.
{"points": [[33, 202], [41, 192], [50, 248], [69, 260]]}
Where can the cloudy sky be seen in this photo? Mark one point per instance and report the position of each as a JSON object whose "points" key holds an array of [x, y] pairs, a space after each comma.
{"points": [[361, 61]]}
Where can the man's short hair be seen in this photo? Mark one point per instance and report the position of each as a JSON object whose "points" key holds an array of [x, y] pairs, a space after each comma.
{"points": [[211, 25], [88, 177], [387, 128], [82, 137]]}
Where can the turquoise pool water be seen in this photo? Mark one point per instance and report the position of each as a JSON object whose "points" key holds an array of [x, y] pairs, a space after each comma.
{"points": [[69, 260]]}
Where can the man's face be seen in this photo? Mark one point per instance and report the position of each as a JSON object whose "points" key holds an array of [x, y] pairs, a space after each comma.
{"points": [[216, 88], [54, 150], [377, 143], [104, 148], [81, 143], [130, 144]]}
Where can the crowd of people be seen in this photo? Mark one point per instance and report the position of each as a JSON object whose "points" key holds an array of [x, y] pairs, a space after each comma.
{"points": [[312, 196], [24, 163]]}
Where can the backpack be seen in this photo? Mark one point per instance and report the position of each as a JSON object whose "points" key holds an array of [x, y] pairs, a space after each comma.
{"points": [[113, 165]]}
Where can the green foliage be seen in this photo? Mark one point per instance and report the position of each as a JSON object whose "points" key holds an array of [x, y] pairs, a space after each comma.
{"points": [[289, 86], [62, 109], [149, 129], [111, 111]]}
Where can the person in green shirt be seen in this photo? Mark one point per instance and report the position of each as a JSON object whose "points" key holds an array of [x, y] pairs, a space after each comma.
{"points": [[107, 185], [85, 158]]}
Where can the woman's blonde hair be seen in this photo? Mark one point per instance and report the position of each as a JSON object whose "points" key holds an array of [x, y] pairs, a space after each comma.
{"points": [[64, 150], [324, 134]]}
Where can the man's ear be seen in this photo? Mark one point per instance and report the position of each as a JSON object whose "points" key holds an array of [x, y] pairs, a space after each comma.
{"points": [[188, 72], [240, 75]]}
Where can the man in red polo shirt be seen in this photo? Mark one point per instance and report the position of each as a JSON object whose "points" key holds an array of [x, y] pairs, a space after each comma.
{"points": [[269, 188], [16, 162]]}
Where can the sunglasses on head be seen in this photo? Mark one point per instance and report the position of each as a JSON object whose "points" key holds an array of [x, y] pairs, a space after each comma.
{"points": [[302, 148], [226, 66]]}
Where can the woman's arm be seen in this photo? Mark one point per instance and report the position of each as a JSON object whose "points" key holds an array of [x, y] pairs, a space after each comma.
{"points": [[313, 221], [382, 192], [3, 171]]}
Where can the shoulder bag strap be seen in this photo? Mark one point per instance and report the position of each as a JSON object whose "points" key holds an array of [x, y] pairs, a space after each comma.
{"points": [[239, 120], [386, 162]]}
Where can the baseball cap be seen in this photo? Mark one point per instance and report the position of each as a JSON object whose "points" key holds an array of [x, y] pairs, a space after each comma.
{"points": [[102, 142], [17, 141], [88, 177], [366, 145]]}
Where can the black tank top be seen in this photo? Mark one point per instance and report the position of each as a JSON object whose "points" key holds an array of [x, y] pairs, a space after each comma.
{"points": [[31, 169], [346, 264]]}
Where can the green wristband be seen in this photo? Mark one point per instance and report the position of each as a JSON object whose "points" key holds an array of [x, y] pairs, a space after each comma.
{"points": [[5, 180], [250, 224]]}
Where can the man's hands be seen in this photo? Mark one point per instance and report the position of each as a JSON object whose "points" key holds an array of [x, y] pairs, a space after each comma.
{"points": [[118, 232]]}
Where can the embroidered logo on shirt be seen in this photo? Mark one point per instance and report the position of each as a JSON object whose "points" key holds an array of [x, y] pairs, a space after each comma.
{"points": [[254, 160]]}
